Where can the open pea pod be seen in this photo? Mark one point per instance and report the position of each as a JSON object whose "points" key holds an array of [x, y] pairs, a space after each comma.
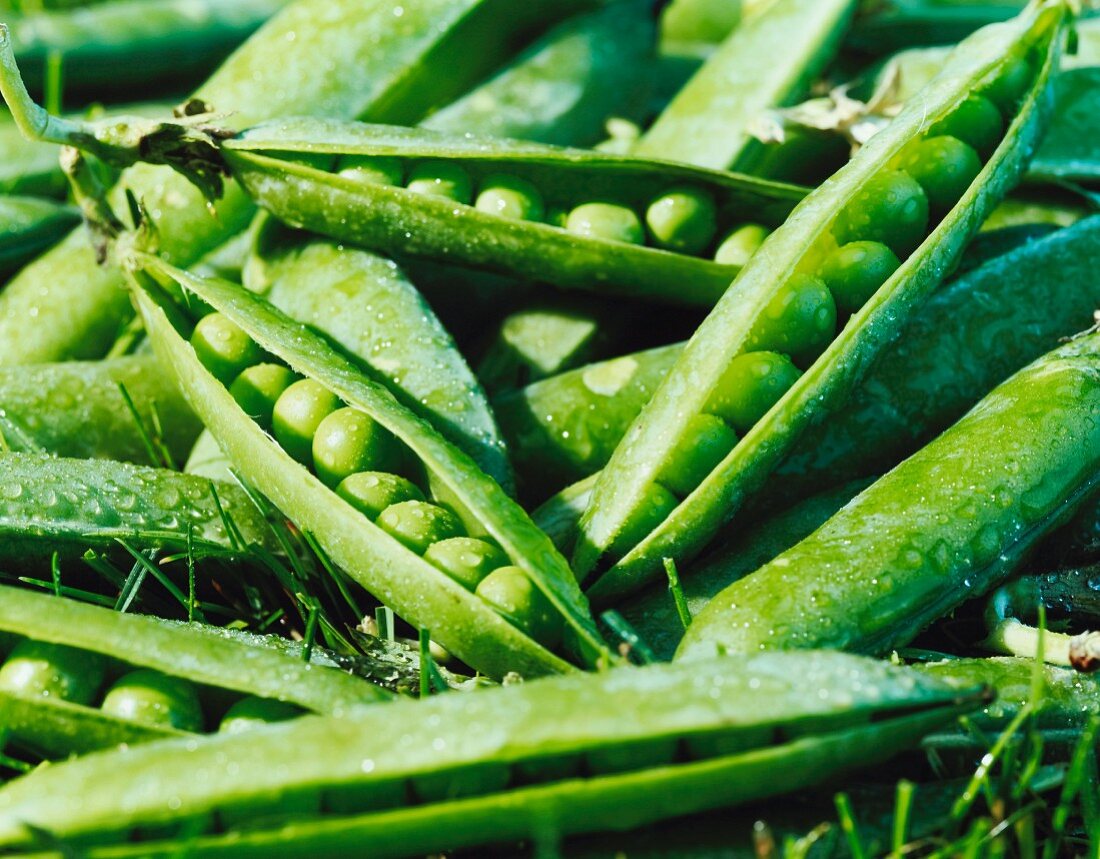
{"points": [[68, 682], [579, 255], [872, 242], [50, 504], [496, 765], [467, 624], [951, 522]]}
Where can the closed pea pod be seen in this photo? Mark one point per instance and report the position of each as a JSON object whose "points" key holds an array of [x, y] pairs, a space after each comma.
{"points": [[789, 259], [738, 729], [419, 592], [992, 485], [29, 226], [83, 677]]}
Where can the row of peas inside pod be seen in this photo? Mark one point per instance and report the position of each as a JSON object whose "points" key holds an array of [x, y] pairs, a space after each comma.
{"points": [[864, 244], [683, 219], [372, 470]]}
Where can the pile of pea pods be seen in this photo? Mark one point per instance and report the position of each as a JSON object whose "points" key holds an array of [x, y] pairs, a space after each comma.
{"points": [[597, 428]]}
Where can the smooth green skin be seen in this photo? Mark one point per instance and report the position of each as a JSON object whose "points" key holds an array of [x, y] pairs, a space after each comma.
{"points": [[741, 244], [892, 561], [418, 524], [682, 220], [908, 24], [253, 712], [64, 306], [751, 385], [441, 179], [423, 226], [799, 321], [944, 167], [298, 413], [37, 669], [977, 121], [653, 614], [761, 698], [768, 62], [258, 388], [561, 429], [348, 441], [510, 591], [381, 170], [707, 440], [510, 197], [416, 591], [76, 409], [699, 22], [370, 308], [822, 388], [29, 226], [227, 661], [607, 221], [223, 348], [1070, 151], [52, 504], [118, 45], [28, 168], [1023, 291], [467, 560], [371, 492], [891, 208], [154, 698], [855, 271], [564, 86], [1008, 86]]}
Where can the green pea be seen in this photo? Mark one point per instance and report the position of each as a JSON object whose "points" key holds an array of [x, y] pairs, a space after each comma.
{"points": [[855, 271], [257, 389], [441, 179], [800, 320], [976, 121], [656, 506], [371, 492], [751, 385], [418, 524], [741, 244], [703, 445], [944, 167], [890, 208], [38, 669], [154, 698], [683, 220], [372, 169], [627, 757], [1009, 84], [253, 711], [297, 414], [512, 593], [606, 221], [467, 560], [511, 197], [224, 349], [348, 441]]}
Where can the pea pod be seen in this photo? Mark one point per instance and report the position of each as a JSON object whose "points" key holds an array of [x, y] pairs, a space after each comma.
{"points": [[28, 226], [64, 306], [466, 624], [91, 653], [80, 409], [680, 472], [51, 504], [906, 23], [894, 560], [748, 728]]}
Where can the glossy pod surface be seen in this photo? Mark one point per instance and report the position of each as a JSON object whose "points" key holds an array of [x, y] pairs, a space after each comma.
{"points": [[894, 560], [99, 648], [77, 409], [634, 520], [724, 731], [398, 219], [28, 226], [463, 622], [331, 57], [52, 504]]}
